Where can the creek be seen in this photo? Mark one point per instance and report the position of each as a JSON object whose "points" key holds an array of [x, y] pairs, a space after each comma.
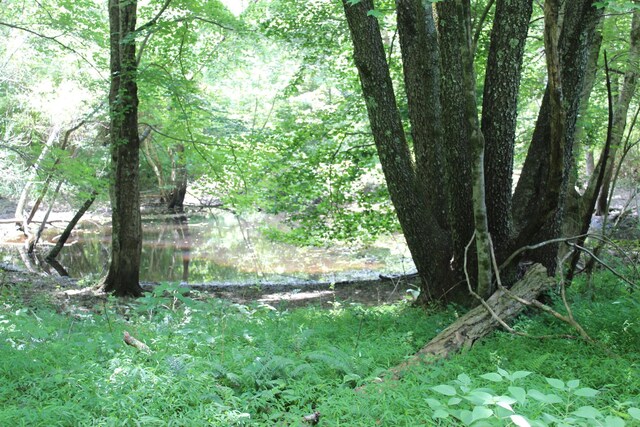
{"points": [[216, 247]]}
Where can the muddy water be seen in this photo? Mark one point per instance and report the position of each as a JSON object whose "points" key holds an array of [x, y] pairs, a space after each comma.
{"points": [[217, 247]]}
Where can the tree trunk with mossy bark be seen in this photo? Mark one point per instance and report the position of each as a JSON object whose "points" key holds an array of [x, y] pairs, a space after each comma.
{"points": [[123, 277], [447, 141]]}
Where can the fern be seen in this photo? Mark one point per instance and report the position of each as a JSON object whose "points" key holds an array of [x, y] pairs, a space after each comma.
{"points": [[335, 359]]}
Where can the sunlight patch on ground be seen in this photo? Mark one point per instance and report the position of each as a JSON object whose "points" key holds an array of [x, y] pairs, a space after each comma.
{"points": [[295, 296]]}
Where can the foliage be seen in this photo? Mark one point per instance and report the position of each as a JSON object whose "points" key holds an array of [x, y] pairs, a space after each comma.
{"points": [[461, 403], [220, 363]]}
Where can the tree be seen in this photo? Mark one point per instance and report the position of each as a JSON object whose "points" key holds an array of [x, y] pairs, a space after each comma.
{"points": [[122, 279], [431, 175]]}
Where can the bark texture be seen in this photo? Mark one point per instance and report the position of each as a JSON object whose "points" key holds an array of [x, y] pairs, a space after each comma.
{"points": [[499, 118], [123, 277], [538, 201], [424, 238], [450, 141]]}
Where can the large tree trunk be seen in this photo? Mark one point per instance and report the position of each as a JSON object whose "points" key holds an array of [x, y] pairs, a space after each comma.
{"points": [[538, 202], [420, 50], [499, 114], [447, 138], [452, 18], [126, 239], [426, 241]]}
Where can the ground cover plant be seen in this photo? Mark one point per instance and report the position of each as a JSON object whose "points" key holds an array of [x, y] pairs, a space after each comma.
{"points": [[213, 362]]}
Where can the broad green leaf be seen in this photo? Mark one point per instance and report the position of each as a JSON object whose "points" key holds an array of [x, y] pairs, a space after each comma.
{"points": [[587, 412], [480, 413], [519, 393], [434, 403], [586, 392], [440, 413], [445, 389], [634, 412], [556, 383], [492, 376], [454, 401], [464, 379], [465, 416], [520, 421], [519, 374], [479, 397], [573, 383], [612, 421], [375, 13], [502, 372], [545, 398], [505, 402]]}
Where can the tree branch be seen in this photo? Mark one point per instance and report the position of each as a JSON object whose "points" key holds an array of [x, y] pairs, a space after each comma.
{"points": [[55, 40]]}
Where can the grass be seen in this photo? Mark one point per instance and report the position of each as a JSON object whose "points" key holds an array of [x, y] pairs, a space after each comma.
{"points": [[221, 364]]}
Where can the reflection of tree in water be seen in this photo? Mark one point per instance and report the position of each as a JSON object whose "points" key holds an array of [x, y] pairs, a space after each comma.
{"points": [[183, 243], [214, 246], [168, 245]]}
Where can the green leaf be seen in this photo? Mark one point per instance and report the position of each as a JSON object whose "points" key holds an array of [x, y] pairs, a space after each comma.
{"points": [[353, 2], [518, 393], [556, 383], [505, 402], [434, 403], [587, 412], [375, 13], [464, 379], [454, 401], [480, 413], [440, 413], [545, 398], [612, 421], [479, 397], [519, 374], [586, 392], [492, 376], [445, 389], [502, 372], [634, 412], [573, 383], [520, 421]]}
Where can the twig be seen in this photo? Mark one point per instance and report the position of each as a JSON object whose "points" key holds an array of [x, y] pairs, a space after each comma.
{"points": [[55, 40], [604, 264], [539, 245]]}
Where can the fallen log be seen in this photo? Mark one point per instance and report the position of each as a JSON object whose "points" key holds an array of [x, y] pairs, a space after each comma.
{"points": [[480, 322]]}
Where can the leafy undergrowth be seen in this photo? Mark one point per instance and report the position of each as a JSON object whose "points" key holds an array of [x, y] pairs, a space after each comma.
{"points": [[222, 364]]}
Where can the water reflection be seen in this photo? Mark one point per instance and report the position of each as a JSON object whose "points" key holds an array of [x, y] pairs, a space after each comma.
{"points": [[219, 247]]}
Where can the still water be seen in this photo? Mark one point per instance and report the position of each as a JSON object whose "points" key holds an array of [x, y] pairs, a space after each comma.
{"points": [[217, 247]]}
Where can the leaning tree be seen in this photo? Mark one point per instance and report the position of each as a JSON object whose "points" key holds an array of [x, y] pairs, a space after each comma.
{"points": [[450, 179]]}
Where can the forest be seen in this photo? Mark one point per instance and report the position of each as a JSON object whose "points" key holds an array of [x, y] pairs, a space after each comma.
{"points": [[319, 212]]}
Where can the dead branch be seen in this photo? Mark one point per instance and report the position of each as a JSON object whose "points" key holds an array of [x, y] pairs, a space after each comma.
{"points": [[133, 342]]}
